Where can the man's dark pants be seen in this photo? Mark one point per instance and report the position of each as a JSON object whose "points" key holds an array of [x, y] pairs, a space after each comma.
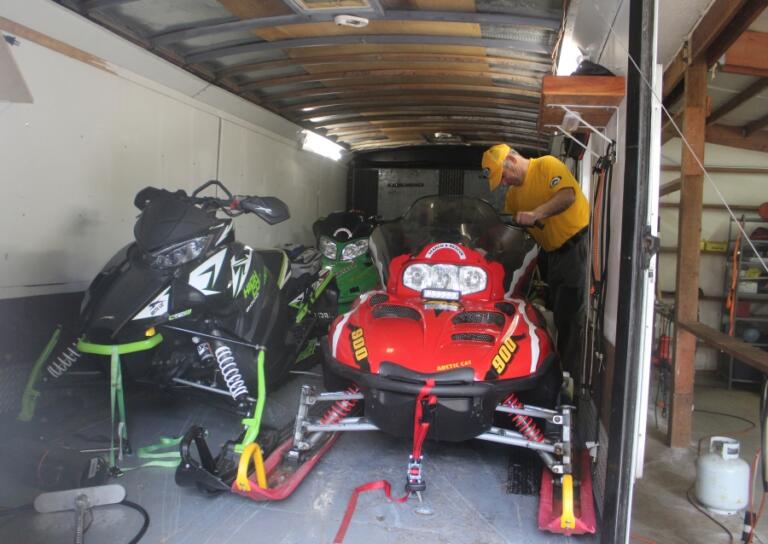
{"points": [[566, 273]]}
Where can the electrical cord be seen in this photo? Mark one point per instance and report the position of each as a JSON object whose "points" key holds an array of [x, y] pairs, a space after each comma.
{"points": [[144, 514], [751, 423], [700, 509], [14, 510]]}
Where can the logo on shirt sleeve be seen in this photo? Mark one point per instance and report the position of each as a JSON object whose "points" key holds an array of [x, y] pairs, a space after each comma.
{"points": [[554, 181]]}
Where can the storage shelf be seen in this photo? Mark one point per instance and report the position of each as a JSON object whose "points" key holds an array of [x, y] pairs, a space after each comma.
{"points": [[594, 98], [747, 258]]}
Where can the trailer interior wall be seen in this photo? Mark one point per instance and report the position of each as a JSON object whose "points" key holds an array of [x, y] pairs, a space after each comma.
{"points": [[73, 160], [738, 189]]}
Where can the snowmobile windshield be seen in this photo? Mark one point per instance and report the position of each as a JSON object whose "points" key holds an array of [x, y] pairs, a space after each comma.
{"points": [[343, 226], [457, 219]]}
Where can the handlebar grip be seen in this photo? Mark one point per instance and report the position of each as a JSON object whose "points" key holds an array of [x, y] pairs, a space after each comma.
{"points": [[539, 224]]}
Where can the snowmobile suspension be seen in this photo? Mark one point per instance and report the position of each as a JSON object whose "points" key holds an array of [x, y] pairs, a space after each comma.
{"points": [[230, 372], [524, 423], [343, 403]]}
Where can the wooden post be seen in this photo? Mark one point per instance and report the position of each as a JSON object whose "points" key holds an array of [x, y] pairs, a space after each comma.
{"points": [[689, 236]]}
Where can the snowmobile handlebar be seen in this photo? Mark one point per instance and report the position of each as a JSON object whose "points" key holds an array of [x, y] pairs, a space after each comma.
{"points": [[269, 208], [508, 219]]}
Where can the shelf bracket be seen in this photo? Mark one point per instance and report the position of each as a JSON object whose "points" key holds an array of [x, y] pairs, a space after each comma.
{"points": [[567, 108]]}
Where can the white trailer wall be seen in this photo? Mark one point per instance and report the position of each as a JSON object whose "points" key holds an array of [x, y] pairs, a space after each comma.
{"points": [[72, 161]]}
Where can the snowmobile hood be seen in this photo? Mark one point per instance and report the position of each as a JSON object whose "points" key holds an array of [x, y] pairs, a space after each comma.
{"points": [[496, 340], [118, 294]]}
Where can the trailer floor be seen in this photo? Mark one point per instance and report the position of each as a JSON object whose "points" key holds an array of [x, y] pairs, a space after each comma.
{"points": [[466, 487]]}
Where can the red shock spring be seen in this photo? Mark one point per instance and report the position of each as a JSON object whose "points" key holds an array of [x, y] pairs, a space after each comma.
{"points": [[341, 408], [525, 424]]}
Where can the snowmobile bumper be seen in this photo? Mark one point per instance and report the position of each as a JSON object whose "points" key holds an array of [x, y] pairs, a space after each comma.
{"points": [[465, 407]]}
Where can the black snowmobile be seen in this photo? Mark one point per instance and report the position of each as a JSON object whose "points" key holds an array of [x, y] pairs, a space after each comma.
{"points": [[186, 304]]}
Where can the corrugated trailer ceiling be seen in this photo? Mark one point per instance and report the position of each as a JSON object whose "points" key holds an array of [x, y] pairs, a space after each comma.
{"points": [[420, 72]]}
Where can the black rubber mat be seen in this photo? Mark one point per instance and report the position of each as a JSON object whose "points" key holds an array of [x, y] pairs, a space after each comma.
{"points": [[524, 472]]}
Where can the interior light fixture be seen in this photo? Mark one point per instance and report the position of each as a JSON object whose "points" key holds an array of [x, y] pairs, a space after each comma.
{"points": [[320, 145], [570, 57], [351, 21]]}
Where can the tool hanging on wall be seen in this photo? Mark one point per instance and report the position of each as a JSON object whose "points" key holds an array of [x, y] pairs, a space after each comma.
{"points": [[600, 231]]}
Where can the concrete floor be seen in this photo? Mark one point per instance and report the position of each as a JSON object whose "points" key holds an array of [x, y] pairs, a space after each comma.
{"points": [[661, 511]]}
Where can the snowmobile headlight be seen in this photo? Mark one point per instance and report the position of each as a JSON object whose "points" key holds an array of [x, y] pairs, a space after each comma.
{"points": [[354, 249], [472, 279], [327, 247], [445, 276], [417, 277], [178, 254]]}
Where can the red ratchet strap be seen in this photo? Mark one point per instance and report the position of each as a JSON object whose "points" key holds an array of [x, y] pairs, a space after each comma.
{"points": [[420, 430], [421, 427]]}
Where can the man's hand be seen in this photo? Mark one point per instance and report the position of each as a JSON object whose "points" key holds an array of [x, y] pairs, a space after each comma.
{"points": [[527, 219]]}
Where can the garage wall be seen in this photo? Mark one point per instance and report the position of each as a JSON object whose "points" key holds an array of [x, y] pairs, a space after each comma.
{"points": [[72, 161], [746, 190]]}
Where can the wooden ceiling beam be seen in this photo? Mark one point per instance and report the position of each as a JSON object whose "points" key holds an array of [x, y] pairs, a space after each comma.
{"points": [[670, 187], [753, 127], [751, 91], [743, 56], [734, 137], [668, 129], [723, 23]]}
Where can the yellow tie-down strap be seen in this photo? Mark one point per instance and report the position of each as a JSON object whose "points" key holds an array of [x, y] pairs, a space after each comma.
{"points": [[251, 451], [568, 519]]}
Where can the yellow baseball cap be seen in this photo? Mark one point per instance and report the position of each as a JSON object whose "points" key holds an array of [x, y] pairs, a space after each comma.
{"points": [[493, 164]]}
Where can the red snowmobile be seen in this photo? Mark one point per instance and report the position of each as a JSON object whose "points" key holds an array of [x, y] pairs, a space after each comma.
{"points": [[451, 351]]}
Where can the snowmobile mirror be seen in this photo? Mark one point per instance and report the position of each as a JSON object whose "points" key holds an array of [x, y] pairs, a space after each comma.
{"points": [[271, 209]]}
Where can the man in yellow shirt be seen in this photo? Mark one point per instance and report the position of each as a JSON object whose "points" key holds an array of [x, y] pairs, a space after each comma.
{"points": [[543, 195]]}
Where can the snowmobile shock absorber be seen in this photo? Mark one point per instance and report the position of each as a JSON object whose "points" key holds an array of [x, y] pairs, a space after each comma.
{"points": [[341, 408], [337, 412], [63, 362], [525, 424], [204, 350], [230, 372]]}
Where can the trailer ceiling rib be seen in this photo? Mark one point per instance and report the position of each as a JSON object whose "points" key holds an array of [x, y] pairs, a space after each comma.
{"points": [[418, 73]]}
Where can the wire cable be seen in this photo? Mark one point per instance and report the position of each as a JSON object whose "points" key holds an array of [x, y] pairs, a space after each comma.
{"points": [[144, 514]]}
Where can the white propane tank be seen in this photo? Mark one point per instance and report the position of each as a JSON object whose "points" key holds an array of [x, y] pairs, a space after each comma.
{"points": [[722, 478]]}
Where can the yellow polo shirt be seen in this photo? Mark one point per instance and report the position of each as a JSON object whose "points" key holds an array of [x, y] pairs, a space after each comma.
{"points": [[545, 177]]}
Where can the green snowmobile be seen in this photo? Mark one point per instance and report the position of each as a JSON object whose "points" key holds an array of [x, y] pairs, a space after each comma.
{"points": [[342, 238]]}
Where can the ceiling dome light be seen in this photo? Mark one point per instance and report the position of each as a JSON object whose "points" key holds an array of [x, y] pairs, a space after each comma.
{"points": [[351, 20]]}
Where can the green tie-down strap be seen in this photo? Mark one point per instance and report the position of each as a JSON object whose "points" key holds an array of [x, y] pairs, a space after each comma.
{"points": [[31, 394], [116, 396], [253, 423], [158, 458]]}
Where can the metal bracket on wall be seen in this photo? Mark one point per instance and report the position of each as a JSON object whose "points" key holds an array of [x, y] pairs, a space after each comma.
{"points": [[584, 124]]}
